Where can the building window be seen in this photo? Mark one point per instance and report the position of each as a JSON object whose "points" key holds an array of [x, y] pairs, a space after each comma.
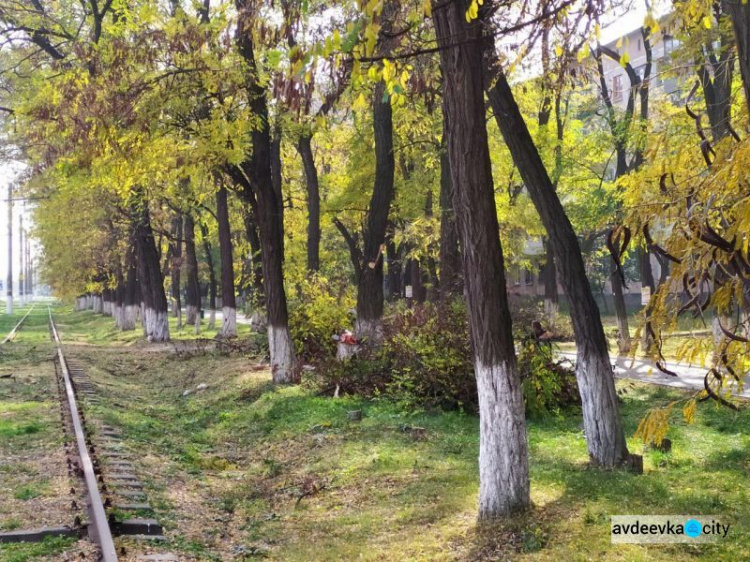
{"points": [[617, 88], [670, 44]]}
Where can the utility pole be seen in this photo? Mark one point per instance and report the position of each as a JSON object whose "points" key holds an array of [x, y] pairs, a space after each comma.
{"points": [[20, 251], [9, 290], [29, 288]]}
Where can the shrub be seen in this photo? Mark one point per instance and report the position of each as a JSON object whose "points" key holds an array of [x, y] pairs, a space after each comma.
{"points": [[318, 310], [429, 353], [548, 385], [425, 362]]}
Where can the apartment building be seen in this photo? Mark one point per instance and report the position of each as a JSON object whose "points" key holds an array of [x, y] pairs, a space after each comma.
{"points": [[662, 79]]}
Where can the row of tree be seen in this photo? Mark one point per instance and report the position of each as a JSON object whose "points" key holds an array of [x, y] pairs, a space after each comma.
{"points": [[155, 132]]}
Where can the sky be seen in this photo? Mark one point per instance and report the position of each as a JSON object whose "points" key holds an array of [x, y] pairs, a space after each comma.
{"points": [[8, 173]]}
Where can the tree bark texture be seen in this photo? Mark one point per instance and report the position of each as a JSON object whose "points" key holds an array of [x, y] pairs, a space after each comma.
{"points": [[228, 303], [604, 433], [192, 287], [304, 147], [155, 306], [503, 454], [740, 14], [370, 286], [450, 257], [257, 178]]}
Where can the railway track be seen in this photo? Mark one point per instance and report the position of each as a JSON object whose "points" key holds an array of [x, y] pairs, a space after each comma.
{"points": [[98, 529], [107, 499], [17, 327]]}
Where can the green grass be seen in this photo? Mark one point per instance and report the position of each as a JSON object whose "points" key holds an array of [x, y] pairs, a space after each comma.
{"points": [[247, 469], [248, 451], [96, 329], [21, 552]]}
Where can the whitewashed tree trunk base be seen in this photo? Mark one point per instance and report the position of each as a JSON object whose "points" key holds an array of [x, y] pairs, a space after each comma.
{"points": [[281, 350], [601, 419], [129, 317], [96, 304], [550, 311], [258, 320], [503, 450], [229, 325], [369, 332], [157, 325], [346, 350], [191, 312], [212, 319]]}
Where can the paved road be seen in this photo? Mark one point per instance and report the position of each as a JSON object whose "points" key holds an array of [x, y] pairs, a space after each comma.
{"points": [[689, 378]]}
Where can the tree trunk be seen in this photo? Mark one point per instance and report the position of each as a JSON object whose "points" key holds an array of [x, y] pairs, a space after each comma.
{"points": [[740, 13], [155, 306], [647, 274], [647, 281], [257, 180], [549, 273], [417, 287], [395, 266], [601, 417], [174, 256], [450, 258], [228, 304], [304, 147], [370, 286], [503, 454], [211, 276], [119, 305], [256, 262], [621, 313], [192, 287]]}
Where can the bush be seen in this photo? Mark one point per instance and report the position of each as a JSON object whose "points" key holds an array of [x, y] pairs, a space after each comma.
{"points": [[318, 311], [548, 385], [429, 353], [425, 362]]}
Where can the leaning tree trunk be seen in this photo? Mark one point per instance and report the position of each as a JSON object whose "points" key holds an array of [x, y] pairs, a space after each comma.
{"points": [[304, 147], [192, 286], [370, 286], [259, 190], [211, 276], [228, 304], [503, 454], [155, 306], [601, 417]]}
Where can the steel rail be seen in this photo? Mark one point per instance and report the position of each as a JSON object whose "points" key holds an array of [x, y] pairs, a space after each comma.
{"points": [[12, 333], [99, 530]]}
